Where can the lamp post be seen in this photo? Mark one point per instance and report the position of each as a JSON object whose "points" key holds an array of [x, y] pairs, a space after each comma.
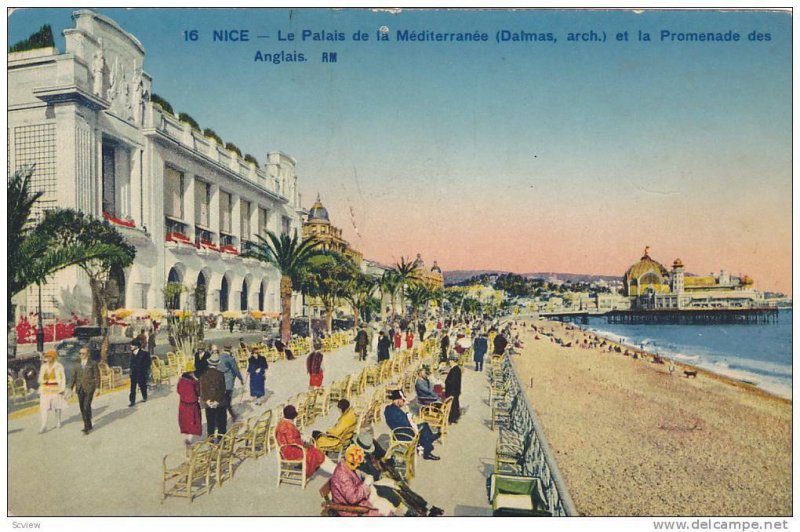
{"points": [[40, 325]]}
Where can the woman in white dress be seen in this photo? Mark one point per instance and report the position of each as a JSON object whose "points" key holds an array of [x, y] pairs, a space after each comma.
{"points": [[52, 386]]}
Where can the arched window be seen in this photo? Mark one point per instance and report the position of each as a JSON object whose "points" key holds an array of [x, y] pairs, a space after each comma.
{"points": [[172, 296], [243, 303], [200, 292], [116, 279], [261, 291], [223, 295]]}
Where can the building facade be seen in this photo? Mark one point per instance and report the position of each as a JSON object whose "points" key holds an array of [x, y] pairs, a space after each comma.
{"points": [[318, 225], [190, 206], [650, 286]]}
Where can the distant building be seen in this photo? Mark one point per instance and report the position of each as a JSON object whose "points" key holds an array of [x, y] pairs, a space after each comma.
{"points": [[318, 225], [433, 278], [649, 285]]}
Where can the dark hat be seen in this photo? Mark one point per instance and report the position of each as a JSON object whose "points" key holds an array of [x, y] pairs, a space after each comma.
{"points": [[364, 440], [289, 412], [317, 343], [397, 394], [136, 343]]}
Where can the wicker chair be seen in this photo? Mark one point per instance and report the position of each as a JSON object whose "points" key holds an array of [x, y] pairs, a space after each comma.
{"points": [[332, 509], [292, 471], [106, 376], [437, 414], [227, 452], [510, 452], [404, 451], [254, 441], [338, 390], [190, 477]]}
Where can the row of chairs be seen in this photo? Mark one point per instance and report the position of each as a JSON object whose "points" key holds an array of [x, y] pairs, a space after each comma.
{"points": [[211, 462]]}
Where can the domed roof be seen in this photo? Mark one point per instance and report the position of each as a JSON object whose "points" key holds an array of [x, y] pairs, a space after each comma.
{"points": [[436, 267], [645, 265], [677, 264], [747, 280], [318, 213]]}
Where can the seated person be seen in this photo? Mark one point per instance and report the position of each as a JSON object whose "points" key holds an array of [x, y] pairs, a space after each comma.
{"points": [[342, 431], [388, 483], [424, 388], [398, 418], [348, 487], [286, 432]]}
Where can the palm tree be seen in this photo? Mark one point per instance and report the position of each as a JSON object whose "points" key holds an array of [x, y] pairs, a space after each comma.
{"points": [[418, 295], [289, 255], [407, 272], [389, 284], [34, 252], [358, 292]]}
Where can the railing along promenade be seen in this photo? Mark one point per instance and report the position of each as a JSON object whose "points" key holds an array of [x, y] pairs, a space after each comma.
{"points": [[538, 460]]}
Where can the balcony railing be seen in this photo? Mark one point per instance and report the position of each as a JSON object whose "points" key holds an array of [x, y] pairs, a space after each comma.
{"points": [[176, 231], [205, 239]]}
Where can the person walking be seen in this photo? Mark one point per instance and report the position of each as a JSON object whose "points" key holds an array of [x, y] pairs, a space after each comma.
{"points": [[52, 386], [314, 365], [140, 369], [452, 388], [409, 338], [213, 397], [201, 360], [189, 419], [398, 339], [85, 382], [479, 348], [229, 368], [445, 347], [421, 330], [370, 336], [383, 346], [257, 370], [362, 340]]}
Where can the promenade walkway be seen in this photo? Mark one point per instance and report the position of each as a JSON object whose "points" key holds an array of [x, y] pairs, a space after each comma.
{"points": [[116, 470]]}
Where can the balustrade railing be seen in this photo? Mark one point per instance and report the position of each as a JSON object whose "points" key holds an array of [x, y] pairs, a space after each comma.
{"points": [[538, 460]]}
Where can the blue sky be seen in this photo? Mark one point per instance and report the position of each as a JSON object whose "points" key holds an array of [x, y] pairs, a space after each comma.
{"points": [[565, 156]]}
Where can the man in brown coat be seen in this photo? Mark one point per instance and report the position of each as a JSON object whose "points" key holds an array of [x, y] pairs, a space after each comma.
{"points": [[213, 398], [85, 381]]}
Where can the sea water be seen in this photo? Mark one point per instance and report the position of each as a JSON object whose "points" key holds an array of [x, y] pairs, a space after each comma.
{"points": [[758, 354]]}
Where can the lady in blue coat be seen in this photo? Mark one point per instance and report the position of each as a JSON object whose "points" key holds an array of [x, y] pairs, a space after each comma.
{"points": [[257, 369]]}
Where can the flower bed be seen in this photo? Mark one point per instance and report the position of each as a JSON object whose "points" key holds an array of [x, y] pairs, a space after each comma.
{"points": [[207, 244], [229, 249], [177, 237], [118, 221], [26, 329]]}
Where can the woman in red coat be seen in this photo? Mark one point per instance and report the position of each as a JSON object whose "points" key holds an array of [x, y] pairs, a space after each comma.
{"points": [[398, 340], [409, 339], [189, 419], [286, 433]]}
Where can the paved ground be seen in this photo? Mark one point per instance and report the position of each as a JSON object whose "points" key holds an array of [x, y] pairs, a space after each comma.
{"points": [[116, 470]]}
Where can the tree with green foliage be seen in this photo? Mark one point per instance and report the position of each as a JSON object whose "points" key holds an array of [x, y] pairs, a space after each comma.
{"points": [[406, 271], [326, 276], [68, 227], [35, 252], [359, 292], [184, 117], [41, 39], [389, 284], [418, 296], [161, 102], [289, 255]]}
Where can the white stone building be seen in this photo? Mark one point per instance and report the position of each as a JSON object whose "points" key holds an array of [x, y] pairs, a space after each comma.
{"points": [[190, 206]]}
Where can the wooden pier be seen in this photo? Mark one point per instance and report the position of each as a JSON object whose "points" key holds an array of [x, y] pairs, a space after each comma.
{"points": [[750, 316]]}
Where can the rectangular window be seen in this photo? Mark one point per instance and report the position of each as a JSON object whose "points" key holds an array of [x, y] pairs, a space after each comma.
{"points": [[244, 229], [202, 202], [224, 212], [286, 225], [263, 221], [109, 179], [173, 196]]}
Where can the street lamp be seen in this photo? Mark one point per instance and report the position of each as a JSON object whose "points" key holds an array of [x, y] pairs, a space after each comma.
{"points": [[40, 326]]}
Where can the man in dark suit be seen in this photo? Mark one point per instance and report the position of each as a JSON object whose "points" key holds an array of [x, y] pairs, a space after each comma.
{"points": [[452, 388], [213, 397], [85, 381], [397, 418], [140, 368], [383, 346]]}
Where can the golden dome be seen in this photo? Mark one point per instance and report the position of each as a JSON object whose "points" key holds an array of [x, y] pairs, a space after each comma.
{"points": [[645, 274], [644, 266], [747, 280], [318, 213], [677, 264]]}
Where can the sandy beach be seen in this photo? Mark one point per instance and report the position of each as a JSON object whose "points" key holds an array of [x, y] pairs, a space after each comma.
{"points": [[631, 439]]}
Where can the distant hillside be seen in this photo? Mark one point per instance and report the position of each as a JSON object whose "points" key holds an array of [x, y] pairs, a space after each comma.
{"points": [[457, 276]]}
